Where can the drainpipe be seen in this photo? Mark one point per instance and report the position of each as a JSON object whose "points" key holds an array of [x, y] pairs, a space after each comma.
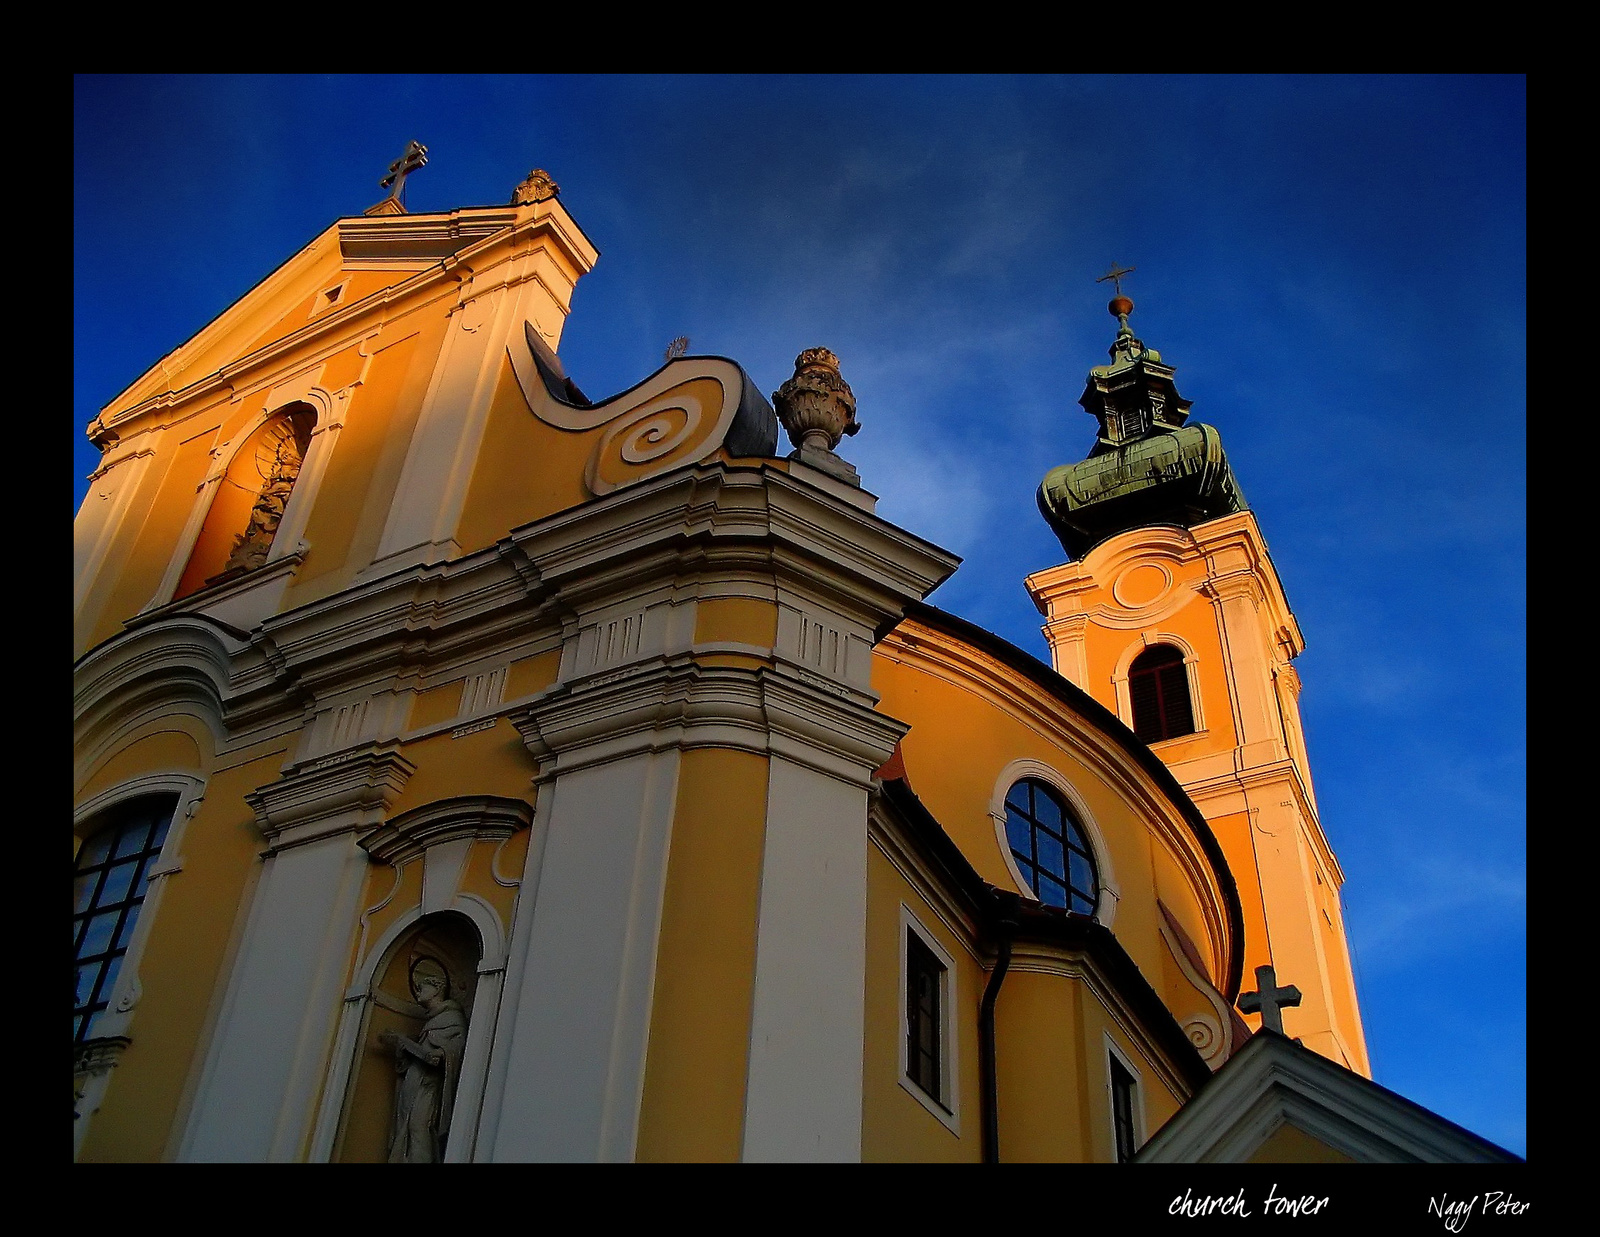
{"points": [[1005, 927]]}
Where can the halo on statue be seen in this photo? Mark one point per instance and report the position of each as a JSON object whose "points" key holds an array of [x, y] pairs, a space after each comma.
{"points": [[426, 966]]}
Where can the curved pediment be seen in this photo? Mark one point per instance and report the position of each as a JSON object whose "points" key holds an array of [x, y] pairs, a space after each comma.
{"points": [[683, 413]]}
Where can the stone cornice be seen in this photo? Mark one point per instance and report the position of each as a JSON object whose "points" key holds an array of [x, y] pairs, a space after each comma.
{"points": [[676, 702], [472, 816], [315, 799], [760, 514]]}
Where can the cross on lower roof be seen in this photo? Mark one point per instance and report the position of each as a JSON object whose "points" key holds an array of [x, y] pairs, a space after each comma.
{"points": [[1115, 275], [415, 157], [1269, 999]]}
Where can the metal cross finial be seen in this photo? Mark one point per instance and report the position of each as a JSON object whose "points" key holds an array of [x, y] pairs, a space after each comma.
{"points": [[415, 157], [1268, 998], [1115, 275]]}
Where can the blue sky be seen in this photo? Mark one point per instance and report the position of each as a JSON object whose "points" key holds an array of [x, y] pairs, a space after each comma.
{"points": [[1335, 265]]}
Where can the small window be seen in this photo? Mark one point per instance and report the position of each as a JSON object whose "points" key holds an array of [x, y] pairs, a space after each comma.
{"points": [[924, 1017], [1050, 848], [1158, 689], [1123, 1086], [108, 888]]}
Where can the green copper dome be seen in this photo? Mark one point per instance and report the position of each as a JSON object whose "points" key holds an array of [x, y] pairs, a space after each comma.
{"points": [[1146, 466]]}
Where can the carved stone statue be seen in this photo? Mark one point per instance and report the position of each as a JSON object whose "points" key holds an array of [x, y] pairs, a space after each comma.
{"points": [[537, 187], [817, 409], [284, 456], [428, 1067]]}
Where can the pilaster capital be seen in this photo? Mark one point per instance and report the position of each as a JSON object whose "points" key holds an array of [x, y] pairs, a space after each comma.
{"points": [[315, 799]]}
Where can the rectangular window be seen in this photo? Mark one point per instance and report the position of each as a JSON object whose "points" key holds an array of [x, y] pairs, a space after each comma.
{"points": [[924, 983], [1122, 1088]]}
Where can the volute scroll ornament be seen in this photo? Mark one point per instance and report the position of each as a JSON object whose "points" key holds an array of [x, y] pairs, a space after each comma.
{"points": [[817, 409]]}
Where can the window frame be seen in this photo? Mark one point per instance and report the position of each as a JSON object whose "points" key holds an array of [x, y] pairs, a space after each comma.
{"points": [[1110, 894], [1070, 827], [946, 1105], [186, 789], [1166, 677], [1121, 680], [1115, 1057]]}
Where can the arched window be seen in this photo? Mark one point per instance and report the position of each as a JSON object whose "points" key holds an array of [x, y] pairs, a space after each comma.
{"points": [[108, 888], [1158, 688], [243, 521], [1050, 848]]}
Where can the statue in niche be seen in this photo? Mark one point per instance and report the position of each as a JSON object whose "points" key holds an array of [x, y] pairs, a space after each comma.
{"points": [[278, 461], [428, 1065]]}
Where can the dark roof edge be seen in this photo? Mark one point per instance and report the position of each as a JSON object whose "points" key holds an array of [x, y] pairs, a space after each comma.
{"points": [[1092, 711], [1048, 925]]}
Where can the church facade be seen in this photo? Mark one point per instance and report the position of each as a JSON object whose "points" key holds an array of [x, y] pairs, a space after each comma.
{"points": [[468, 770]]}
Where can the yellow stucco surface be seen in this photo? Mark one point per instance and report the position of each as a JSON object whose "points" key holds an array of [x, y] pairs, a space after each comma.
{"points": [[694, 1089], [895, 1126], [181, 971]]}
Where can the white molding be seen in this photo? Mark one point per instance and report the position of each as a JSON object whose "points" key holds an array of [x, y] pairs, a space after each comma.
{"points": [[1272, 1082], [1140, 1126], [1109, 893], [946, 1106], [105, 508]]}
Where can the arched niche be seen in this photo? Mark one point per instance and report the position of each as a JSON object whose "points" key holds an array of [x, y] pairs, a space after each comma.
{"points": [[386, 1084], [250, 498]]}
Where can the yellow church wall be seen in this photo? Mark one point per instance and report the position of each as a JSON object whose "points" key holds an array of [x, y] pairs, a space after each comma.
{"points": [[143, 547], [1040, 1073], [364, 469], [736, 620], [490, 865], [527, 675], [173, 748], [487, 762], [1289, 1145], [525, 469], [182, 968], [895, 1126], [436, 705], [959, 744], [694, 1089]]}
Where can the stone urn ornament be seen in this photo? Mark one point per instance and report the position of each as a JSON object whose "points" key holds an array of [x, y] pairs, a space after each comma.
{"points": [[817, 409]]}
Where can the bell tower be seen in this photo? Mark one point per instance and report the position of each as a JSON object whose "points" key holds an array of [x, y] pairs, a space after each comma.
{"points": [[1169, 612]]}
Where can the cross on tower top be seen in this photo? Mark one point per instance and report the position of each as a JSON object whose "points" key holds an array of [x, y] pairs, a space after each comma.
{"points": [[415, 157], [1268, 998], [1115, 275]]}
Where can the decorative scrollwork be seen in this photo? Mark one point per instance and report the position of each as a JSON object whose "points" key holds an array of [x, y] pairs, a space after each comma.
{"points": [[676, 427], [1205, 1033]]}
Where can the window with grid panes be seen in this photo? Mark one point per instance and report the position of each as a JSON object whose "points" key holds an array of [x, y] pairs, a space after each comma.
{"points": [[108, 888], [1050, 847], [1122, 1085], [1158, 689], [924, 979]]}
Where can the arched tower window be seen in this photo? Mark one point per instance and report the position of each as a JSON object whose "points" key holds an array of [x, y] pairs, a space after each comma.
{"points": [[1050, 848], [1158, 688], [250, 499], [109, 882]]}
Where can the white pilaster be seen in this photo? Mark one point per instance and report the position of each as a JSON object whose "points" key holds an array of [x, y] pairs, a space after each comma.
{"points": [[803, 1097]]}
